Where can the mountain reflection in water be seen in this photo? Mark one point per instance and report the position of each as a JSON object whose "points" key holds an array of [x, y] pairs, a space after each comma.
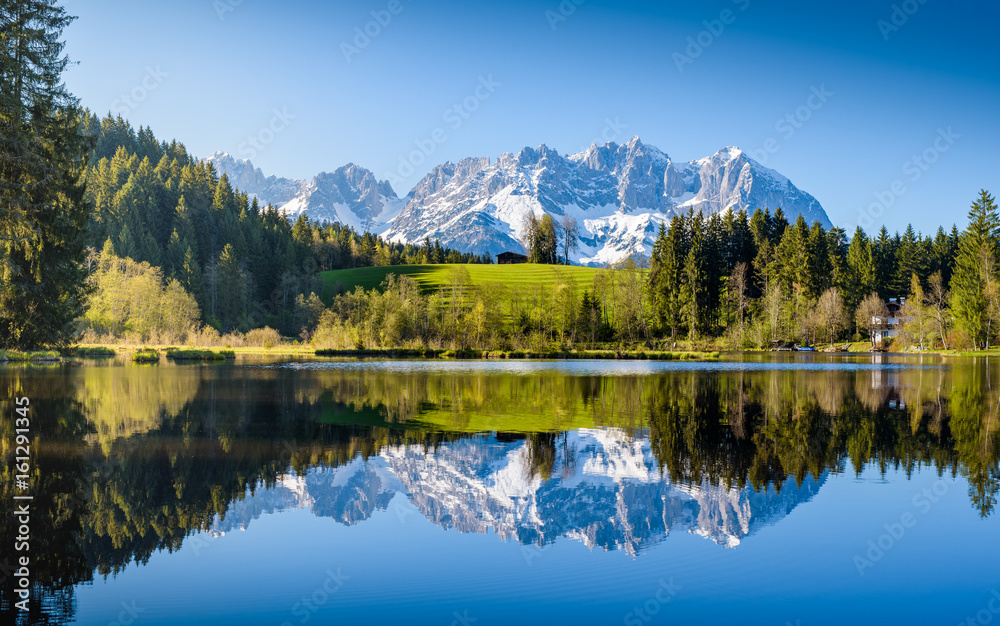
{"points": [[605, 489]]}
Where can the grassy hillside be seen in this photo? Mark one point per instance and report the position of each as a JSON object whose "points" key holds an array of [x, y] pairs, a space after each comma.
{"points": [[432, 277]]}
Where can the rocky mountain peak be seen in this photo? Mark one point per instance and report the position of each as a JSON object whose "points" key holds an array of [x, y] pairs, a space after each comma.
{"points": [[618, 193], [350, 194]]}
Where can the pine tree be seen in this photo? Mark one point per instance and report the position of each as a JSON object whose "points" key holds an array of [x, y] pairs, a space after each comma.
{"points": [[196, 187], [191, 278], [743, 248], [819, 269], [233, 292], [716, 271], [670, 299], [790, 257], [658, 280], [43, 211], [860, 268], [184, 225], [778, 226], [694, 292], [760, 226], [909, 261], [173, 258], [837, 248], [974, 268], [136, 208], [128, 244], [943, 252], [884, 257]]}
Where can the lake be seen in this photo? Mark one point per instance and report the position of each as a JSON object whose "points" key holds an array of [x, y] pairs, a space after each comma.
{"points": [[762, 489]]}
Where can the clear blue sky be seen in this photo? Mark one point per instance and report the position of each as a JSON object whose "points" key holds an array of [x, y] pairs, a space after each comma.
{"points": [[222, 67]]}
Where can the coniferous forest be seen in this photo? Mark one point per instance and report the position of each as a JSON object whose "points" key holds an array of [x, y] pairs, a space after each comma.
{"points": [[762, 279], [244, 265], [43, 209]]}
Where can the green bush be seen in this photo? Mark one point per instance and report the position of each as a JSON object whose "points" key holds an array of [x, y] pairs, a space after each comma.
{"points": [[146, 355], [199, 355]]}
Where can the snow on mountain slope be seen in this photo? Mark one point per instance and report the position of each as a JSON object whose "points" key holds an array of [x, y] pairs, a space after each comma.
{"points": [[604, 489], [350, 194], [619, 195]]}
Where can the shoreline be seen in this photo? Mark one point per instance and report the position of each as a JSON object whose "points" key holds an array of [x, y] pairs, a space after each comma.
{"points": [[619, 355], [218, 355]]}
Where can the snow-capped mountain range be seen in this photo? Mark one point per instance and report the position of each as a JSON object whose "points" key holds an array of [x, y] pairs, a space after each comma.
{"points": [[350, 194], [605, 489], [619, 194]]}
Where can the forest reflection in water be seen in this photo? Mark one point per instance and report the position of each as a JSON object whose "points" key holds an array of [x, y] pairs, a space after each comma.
{"points": [[132, 460]]}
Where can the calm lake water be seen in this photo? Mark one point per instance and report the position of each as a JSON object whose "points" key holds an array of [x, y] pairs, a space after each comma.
{"points": [[792, 489]]}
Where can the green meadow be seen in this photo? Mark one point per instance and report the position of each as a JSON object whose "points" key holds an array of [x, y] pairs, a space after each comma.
{"points": [[432, 277]]}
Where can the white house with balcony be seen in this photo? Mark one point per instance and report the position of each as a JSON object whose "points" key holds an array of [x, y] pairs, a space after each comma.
{"points": [[888, 327]]}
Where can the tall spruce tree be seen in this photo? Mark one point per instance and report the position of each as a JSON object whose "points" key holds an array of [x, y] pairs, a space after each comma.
{"points": [[977, 254], [42, 156], [884, 255], [819, 270], [669, 297], [837, 247], [909, 261], [659, 287], [695, 292], [860, 267]]}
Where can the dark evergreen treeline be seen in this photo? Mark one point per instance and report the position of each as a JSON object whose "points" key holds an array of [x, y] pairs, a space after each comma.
{"points": [[42, 156], [244, 264], [760, 277]]}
